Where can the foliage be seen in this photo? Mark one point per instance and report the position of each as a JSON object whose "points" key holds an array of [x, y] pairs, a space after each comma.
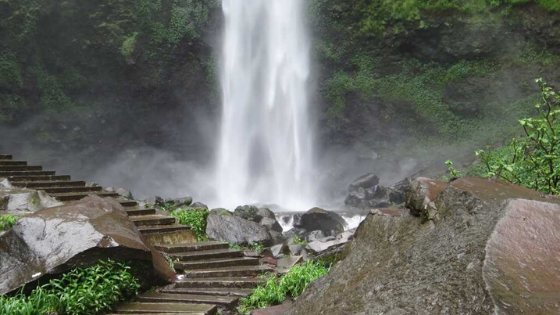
{"points": [[128, 45], [452, 171], [7, 221], [90, 290], [298, 240], [195, 219], [255, 247], [276, 289], [532, 160]]}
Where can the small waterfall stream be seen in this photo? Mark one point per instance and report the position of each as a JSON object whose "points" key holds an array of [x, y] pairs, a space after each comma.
{"points": [[265, 150]]}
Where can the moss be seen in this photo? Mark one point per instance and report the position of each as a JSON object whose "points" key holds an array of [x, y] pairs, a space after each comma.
{"points": [[128, 45], [10, 72], [52, 95]]}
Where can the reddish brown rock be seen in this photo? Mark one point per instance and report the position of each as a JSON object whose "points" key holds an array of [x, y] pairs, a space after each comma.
{"points": [[421, 196], [522, 264]]}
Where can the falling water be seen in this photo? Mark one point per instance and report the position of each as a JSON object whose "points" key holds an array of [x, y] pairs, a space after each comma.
{"points": [[265, 151]]}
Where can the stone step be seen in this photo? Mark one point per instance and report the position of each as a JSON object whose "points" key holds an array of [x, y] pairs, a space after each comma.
{"points": [[238, 292], [11, 162], [5, 156], [139, 211], [153, 229], [127, 203], [189, 247], [228, 282], [4, 168], [235, 271], [217, 263], [166, 308], [78, 195], [70, 189], [187, 298], [155, 219], [25, 174], [48, 184], [39, 178], [207, 254]]}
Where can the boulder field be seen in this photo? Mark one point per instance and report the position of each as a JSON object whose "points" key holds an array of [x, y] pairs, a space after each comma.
{"points": [[471, 246]]}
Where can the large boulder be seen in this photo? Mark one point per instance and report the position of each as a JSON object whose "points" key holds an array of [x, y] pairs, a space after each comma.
{"points": [[421, 196], [328, 222], [264, 217], [22, 200], [222, 225], [54, 240], [489, 250]]}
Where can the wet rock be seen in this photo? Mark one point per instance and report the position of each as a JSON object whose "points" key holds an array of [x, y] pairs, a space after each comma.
{"points": [[262, 216], [5, 183], [279, 250], [54, 240], [365, 181], [224, 226], [521, 267], [274, 310], [317, 219], [402, 264], [366, 192], [22, 200]]}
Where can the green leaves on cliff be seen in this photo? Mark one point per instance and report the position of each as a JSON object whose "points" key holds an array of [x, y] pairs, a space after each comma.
{"points": [[532, 160]]}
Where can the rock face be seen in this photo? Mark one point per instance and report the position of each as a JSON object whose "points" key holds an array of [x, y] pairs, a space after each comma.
{"points": [[264, 217], [222, 225], [485, 250], [53, 240]]}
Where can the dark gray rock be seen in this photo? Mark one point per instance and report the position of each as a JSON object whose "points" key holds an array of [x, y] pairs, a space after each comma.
{"points": [[229, 228], [365, 181], [54, 240], [366, 192], [317, 219], [263, 216], [465, 262], [198, 205]]}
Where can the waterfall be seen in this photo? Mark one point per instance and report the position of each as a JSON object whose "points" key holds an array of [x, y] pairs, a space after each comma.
{"points": [[265, 149]]}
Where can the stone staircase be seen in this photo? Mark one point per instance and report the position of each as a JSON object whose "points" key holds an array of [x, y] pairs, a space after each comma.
{"points": [[211, 275]]}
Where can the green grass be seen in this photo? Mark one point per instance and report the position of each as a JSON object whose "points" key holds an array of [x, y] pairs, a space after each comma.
{"points": [[7, 221], [276, 289], [195, 219], [82, 291]]}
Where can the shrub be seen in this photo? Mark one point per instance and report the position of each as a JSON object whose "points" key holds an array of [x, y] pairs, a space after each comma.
{"points": [[276, 289], [195, 218], [90, 290], [7, 221], [532, 160]]}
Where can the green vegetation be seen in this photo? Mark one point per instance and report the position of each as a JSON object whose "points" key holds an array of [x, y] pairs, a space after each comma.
{"points": [[256, 247], [277, 289], [82, 291], [7, 221], [532, 160], [194, 218]]}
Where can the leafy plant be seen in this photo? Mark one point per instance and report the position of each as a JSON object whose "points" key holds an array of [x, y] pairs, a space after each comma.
{"points": [[532, 160], [7, 221], [298, 240], [195, 218], [90, 290], [452, 171], [276, 289]]}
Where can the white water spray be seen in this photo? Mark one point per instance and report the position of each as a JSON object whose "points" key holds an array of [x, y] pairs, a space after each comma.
{"points": [[265, 151]]}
